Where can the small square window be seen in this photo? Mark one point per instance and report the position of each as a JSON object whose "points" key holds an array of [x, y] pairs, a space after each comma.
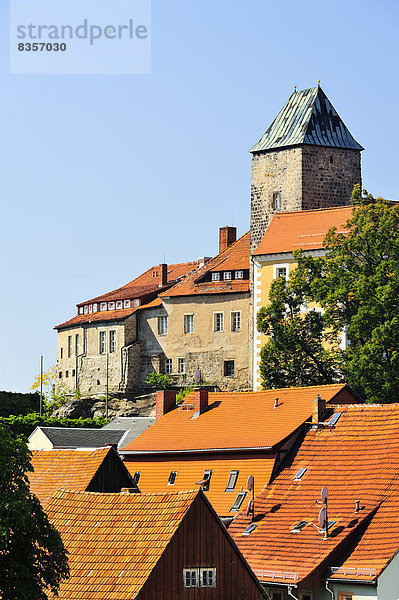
{"points": [[126, 304], [236, 321], [181, 365], [163, 325], [188, 323], [119, 304], [136, 302], [81, 310], [227, 275], [218, 321], [168, 366], [86, 310], [103, 306], [111, 305], [208, 577], [94, 307], [190, 578], [232, 481], [228, 368], [215, 276], [276, 201], [239, 274], [280, 270], [172, 477]]}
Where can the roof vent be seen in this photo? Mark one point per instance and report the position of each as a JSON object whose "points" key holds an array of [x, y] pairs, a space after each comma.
{"points": [[357, 506], [275, 403]]}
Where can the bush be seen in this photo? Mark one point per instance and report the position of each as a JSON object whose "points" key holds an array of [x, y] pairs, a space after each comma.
{"points": [[183, 393], [14, 403], [158, 380], [25, 424]]}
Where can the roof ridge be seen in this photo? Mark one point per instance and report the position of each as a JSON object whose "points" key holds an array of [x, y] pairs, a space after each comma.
{"points": [[308, 210]]}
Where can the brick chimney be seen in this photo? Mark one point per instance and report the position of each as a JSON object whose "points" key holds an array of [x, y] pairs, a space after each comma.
{"points": [[227, 235], [200, 398], [163, 274], [318, 409], [165, 401]]}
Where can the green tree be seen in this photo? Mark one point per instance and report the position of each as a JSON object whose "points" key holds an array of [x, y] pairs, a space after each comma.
{"points": [[357, 285], [32, 555]]}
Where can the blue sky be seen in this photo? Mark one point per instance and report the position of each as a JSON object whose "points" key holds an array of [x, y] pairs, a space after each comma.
{"points": [[103, 174]]}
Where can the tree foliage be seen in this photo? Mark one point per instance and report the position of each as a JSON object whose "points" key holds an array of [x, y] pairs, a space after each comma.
{"points": [[357, 285], [25, 424], [32, 555]]}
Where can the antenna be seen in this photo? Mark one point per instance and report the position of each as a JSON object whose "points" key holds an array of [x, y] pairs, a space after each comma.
{"points": [[323, 518], [323, 514], [197, 376], [251, 503], [324, 495], [250, 483], [294, 88]]}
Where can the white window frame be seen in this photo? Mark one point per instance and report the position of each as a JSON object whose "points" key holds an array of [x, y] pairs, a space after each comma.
{"points": [[90, 309], [103, 342], [112, 341], [207, 571], [126, 304], [94, 307], [218, 327], [233, 327], [136, 302], [215, 276], [194, 581], [168, 366], [278, 266], [69, 353], [111, 305], [227, 275], [103, 306], [239, 274], [81, 310], [162, 325], [119, 304], [188, 323], [181, 365], [86, 310], [276, 196]]}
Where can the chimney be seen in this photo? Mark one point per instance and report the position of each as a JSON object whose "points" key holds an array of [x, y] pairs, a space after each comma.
{"points": [[163, 274], [227, 235], [165, 401], [319, 409], [200, 398]]}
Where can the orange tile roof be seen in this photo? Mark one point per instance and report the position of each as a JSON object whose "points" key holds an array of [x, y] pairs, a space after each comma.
{"points": [[233, 420], [306, 229], [356, 461], [114, 540], [235, 257], [55, 469], [154, 475]]}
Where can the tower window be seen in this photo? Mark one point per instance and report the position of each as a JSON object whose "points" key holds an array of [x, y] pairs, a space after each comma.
{"points": [[331, 160], [228, 368], [276, 201]]}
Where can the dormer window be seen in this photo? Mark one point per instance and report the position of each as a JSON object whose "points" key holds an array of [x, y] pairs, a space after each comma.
{"points": [[227, 275], [239, 274], [90, 308], [81, 310], [86, 310], [119, 304], [103, 306], [136, 302], [126, 304], [94, 307], [111, 305], [215, 276]]}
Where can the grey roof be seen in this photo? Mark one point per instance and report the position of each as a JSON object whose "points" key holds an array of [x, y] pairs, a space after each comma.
{"points": [[134, 425], [79, 437], [307, 118]]}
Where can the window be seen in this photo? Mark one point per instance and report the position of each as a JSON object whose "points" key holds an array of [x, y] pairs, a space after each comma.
{"points": [[181, 365], [172, 477], [228, 368], [305, 596], [86, 310], [136, 302], [345, 596], [235, 321], [188, 323], [215, 276], [276, 201], [111, 305], [66, 373], [69, 346], [206, 479], [207, 577], [239, 274], [238, 501], [103, 306], [90, 308], [61, 352], [77, 344], [136, 477], [103, 342], [119, 304], [250, 529], [190, 578], [162, 325], [300, 474], [94, 307], [232, 481], [60, 375], [227, 275], [81, 310], [297, 528], [126, 304], [168, 366], [112, 341], [218, 322], [73, 372], [280, 271]]}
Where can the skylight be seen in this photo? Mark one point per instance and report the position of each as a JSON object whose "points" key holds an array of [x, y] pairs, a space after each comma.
{"points": [[238, 501], [250, 529], [172, 477], [232, 481], [297, 528], [334, 419], [300, 474]]}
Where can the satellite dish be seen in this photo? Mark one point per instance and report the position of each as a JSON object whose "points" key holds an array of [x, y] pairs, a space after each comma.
{"points": [[250, 483], [324, 495], [322, 517], [197, 376]]}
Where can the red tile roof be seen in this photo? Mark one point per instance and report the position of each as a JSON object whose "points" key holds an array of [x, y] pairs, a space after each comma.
{"points": [[114, 540], [98, 317], [55, 469], [306, 229], [233, 420], [356, 460], [235, 257]]}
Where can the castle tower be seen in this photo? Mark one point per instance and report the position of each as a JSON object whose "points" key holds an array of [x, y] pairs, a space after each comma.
{"points": [[306, 159]]}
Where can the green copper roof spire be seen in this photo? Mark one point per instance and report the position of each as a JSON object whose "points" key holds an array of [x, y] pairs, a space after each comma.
{"points": [[307, 118]]}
